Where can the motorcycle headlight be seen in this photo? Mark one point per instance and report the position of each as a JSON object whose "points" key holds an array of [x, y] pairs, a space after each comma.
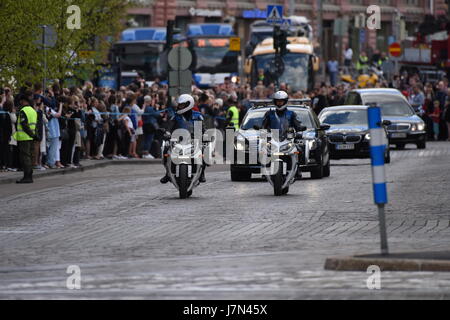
{"points": [[367, 137], [240, 145], [312, 144], [286, 147]]}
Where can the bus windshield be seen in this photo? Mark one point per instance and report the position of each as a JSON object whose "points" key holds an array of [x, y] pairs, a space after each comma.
{"points": [[141, 57], [213, 56], [296, 69]]}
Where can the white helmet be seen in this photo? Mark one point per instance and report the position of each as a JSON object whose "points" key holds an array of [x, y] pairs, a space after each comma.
{"points": [[280, 96], [185, 103]]}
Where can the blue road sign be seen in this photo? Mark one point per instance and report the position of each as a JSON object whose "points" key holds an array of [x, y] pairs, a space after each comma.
{"points": [[362, 36], [378, 145], [274, 14]]}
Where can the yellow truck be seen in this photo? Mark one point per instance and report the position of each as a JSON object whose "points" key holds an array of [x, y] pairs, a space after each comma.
{"points": [[299, 66]]}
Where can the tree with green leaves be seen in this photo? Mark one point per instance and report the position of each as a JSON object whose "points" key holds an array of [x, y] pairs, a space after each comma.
{"points": [[78, 48]]}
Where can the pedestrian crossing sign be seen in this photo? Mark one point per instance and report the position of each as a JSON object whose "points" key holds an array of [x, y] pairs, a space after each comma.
{"points": [[274, 14]]}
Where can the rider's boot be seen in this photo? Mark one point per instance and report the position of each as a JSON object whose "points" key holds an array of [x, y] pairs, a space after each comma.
{"points": [[165, 179], [298, 175], [202, 176]]}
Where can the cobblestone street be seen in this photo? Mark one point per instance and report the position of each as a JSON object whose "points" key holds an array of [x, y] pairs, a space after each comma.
{"points": [[134, 238]]}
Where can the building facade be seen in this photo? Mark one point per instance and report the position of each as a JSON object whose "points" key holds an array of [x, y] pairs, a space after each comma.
{"points": [[243, 12]]}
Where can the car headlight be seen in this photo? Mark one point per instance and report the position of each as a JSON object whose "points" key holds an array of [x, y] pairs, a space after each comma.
{"points": [[414, 127], [421, 126], [367, 137]]}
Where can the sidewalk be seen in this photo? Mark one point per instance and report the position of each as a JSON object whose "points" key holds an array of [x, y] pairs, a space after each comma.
{"points": [[12, 177], [407, 261]]}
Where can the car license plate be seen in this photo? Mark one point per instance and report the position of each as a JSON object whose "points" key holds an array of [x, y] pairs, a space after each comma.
{"points": [[398, 135], [345, 147]]}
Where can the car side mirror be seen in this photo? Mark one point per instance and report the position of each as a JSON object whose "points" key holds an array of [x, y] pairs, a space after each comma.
{"points": [[303, 128], [256, 127], [325, 127], [386, 123], [299, 135]]}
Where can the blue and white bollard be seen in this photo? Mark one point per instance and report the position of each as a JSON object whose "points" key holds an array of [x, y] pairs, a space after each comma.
{"points": [[378, 146]]}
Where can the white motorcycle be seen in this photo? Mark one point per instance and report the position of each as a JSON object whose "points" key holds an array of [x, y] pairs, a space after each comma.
{"points": [[279, 158], [184, 163]]}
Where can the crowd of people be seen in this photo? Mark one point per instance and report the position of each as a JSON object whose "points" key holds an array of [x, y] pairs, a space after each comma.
{"points": [[96, 123]]}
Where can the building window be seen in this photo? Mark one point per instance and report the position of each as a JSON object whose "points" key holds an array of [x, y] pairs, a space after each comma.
{"points": [[384, 2], [139, 20], [412, 2], [356, 2]]}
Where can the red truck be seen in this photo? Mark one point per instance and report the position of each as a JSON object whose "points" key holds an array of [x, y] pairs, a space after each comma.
{"points": [[428, 56]]}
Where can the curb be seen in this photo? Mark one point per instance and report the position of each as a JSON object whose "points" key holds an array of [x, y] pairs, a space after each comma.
{"points": [[54, 172], [386, 264]]}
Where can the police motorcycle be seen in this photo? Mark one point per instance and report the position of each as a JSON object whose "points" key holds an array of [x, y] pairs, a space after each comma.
{"points": [[279, 154], [183, 153], [279, 148]]}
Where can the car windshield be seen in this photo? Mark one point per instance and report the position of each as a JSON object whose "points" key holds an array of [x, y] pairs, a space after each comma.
{"points": [[214, 56], [390, 106], [344, 117], [296, 67], [256, 118]]}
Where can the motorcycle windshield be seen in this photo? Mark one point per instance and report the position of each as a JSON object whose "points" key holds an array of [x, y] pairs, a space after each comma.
{"points": [[279, 127]]}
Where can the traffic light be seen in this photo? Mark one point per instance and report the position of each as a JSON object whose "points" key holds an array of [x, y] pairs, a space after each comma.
{"points": [[283, 43], [280, 40], [171, 32]]}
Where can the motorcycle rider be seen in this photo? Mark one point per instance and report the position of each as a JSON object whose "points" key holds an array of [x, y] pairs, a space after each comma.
{"points": [[281, 118], [183, 118]]}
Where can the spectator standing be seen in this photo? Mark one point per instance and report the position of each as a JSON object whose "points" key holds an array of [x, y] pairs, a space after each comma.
{"points": [[13, 150], [436, 117], [129, 135], [150, 125], [363, 63], [417, 99], [5, 132], [348, 56], [333, 71], [320, 101], [447, 117], [39, 145], [53, 135]]}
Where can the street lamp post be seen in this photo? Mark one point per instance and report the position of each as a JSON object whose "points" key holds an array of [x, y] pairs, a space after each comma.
{"points": [[44, 48], [320, 36]]}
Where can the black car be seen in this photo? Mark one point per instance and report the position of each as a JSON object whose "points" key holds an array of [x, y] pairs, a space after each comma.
{"points": [[406, 126], [315, 156], [349, 135]]}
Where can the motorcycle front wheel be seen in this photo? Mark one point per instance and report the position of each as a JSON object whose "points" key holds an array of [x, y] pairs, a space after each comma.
{"points": [[183, 182], [277, 179]]}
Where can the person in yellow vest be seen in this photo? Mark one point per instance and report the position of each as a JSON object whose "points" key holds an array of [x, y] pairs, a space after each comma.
{"points": [[233, 113], [26, 135], [363, 63]]}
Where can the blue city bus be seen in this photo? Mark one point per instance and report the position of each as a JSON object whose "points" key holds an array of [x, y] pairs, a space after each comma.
{"points": [[140, 50], [212, 59]]}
